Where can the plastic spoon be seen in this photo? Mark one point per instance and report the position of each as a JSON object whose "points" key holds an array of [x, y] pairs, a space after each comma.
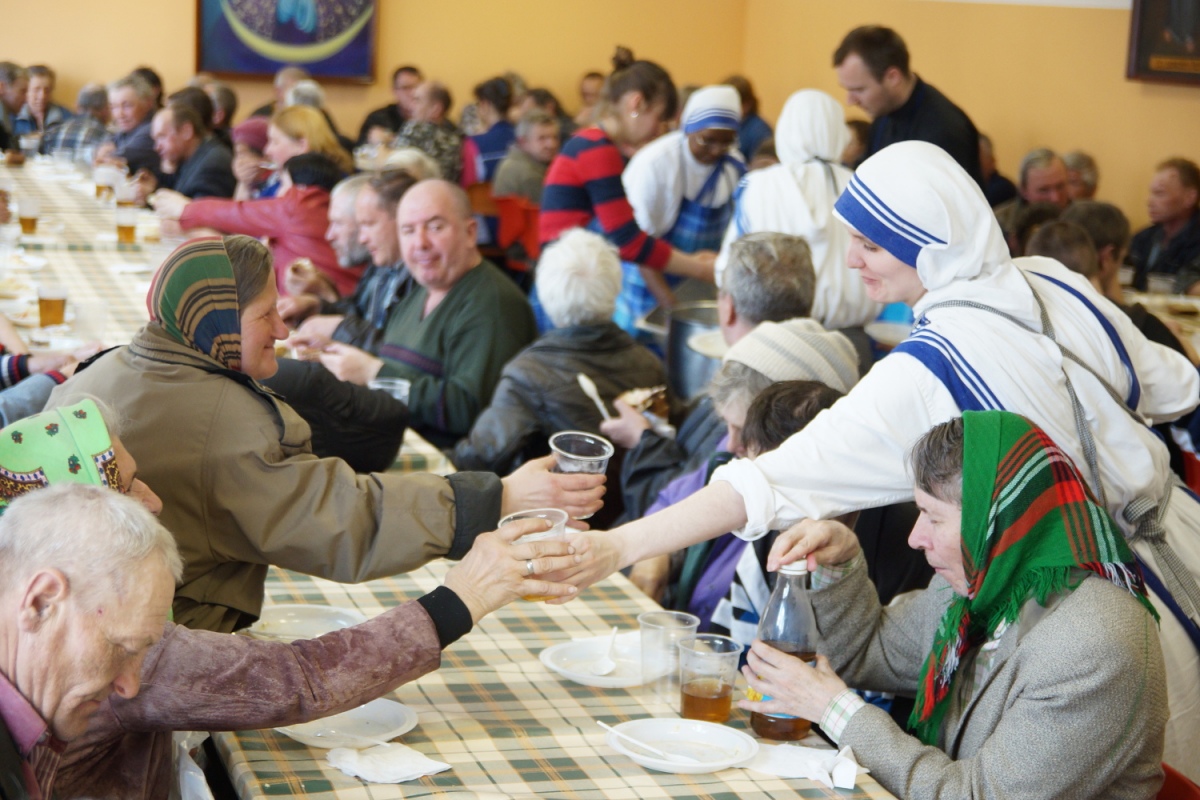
{"points": [[352, 737], [589, 388], [665, 756], [605, 664]]}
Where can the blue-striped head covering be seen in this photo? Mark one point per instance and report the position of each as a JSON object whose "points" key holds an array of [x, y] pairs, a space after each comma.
{"points": [[712, 107], [915, 201]]}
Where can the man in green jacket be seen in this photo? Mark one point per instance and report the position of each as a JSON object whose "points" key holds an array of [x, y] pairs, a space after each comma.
{"points": [[452, 334]]}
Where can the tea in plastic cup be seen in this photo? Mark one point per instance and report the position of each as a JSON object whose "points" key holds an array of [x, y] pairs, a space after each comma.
{"points": [[396, 387], [580, 451], [558, 530], [662, 631], [29, 208], [707, 670], [52, 305], [107, 177], [126, 218]]}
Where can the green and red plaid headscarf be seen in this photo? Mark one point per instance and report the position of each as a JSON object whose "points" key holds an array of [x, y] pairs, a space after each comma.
{"points": [[1029, 522], [194, 298]]}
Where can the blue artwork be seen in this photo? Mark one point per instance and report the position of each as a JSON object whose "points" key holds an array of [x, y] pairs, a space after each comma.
{"points": [[329, 38]]}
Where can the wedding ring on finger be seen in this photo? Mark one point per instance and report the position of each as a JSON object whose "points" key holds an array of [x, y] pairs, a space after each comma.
{"points": [[529, 569]]}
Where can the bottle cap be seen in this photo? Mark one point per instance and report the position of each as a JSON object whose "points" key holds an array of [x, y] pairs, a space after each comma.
{"points": [[795, 568]]}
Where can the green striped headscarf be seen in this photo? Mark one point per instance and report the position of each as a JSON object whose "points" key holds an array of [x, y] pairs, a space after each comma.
{"points": [[67, 444], [194, 298], [1029, 522]]}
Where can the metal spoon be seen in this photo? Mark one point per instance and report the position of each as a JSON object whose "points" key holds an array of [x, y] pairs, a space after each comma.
{"points": [[605, 664], [589, 388], [665, 756]]}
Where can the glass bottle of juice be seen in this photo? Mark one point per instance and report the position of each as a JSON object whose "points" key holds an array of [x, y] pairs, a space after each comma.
{"points": [[788, 625]]}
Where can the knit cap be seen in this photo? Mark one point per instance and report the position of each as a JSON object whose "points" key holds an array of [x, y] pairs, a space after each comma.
{"points": [[799, 349], [252, 132]]}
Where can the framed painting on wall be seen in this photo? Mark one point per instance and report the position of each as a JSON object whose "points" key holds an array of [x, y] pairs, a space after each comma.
{"points": [[333, 39], [1164, 41]]}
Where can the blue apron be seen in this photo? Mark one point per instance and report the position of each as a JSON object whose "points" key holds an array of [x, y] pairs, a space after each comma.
{"points": [[698, 226]]}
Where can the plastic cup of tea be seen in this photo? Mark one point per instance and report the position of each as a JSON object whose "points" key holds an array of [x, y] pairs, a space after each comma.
{"points": [[396, 387], [29, 208], [662, 631], [126, 219], [558, 530], [52, 305], [707, 671]]}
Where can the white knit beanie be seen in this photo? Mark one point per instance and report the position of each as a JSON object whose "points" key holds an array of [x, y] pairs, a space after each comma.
{"points": [[796, 350]]}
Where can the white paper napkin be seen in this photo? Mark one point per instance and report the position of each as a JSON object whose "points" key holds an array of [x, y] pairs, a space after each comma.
{"points": [[832, 769], [392, 763]]}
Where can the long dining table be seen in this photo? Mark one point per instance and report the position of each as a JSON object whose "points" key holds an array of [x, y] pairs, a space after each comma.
{"points": [[507, 725]]}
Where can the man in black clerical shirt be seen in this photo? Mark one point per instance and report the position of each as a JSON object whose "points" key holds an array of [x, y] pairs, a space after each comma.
{"points": [[872, 66]]}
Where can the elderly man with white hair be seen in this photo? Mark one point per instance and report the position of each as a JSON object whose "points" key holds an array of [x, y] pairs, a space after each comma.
{"points": [[578, 278], [77, 617]]}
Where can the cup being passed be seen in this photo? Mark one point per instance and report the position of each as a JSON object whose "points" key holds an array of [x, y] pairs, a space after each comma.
{"points": [[580, 451], [399, 389], [557, 530]]}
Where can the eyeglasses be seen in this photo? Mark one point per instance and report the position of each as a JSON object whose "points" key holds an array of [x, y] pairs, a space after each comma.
{"points": [[707, 142]]}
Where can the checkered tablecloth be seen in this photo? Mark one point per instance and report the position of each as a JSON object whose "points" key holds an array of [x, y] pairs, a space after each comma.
{"points": [[508, 726]]}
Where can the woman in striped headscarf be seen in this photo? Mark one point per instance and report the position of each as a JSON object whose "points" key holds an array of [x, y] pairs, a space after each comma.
{"points": [[232, 461], [1034, 654]]}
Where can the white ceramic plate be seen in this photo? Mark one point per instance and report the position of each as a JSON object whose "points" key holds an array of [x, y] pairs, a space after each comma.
{"points": [[29, 316], [710, 344], [573, 660], [379, 719], [888, 334], [302, 621], [23, 262], [716, 746]]}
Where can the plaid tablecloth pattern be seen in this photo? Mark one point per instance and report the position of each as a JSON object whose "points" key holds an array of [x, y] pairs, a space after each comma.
{"points": [[508, 726]]}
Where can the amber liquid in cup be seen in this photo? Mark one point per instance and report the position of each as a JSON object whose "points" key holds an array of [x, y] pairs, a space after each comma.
{"points": [[707, 699], [28, 225], [783, 729], [126, 234], [104, 193], [52, 310]]}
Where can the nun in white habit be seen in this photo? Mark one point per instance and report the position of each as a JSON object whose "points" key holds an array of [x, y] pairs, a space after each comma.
{"points": [[1027, 336], [681, 188], [796, 196]]}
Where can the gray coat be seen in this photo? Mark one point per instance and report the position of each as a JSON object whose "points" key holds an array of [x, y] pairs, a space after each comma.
{"points": [[1074, 705]]}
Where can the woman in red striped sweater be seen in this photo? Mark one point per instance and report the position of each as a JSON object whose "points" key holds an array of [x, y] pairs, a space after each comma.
{"points": [[583, 185]]}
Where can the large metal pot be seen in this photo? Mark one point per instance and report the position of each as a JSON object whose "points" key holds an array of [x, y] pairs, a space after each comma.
{"points": [[688, 371]]}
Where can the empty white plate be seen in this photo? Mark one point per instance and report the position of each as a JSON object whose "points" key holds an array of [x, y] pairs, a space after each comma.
{"points": [[573, 660], [288, 622], [381, 719], [717, 747]]}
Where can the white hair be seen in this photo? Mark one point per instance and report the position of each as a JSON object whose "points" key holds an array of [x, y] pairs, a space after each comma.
{"points": [[578, 279], [95, 536], [415, 162], [305, 92]]}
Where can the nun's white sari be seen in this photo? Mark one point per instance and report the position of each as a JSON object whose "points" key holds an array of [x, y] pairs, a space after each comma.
{"points": [[913, 200]]}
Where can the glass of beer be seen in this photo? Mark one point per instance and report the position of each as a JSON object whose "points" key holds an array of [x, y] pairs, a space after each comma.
{"points": [[707, 669], [107, 176], [52, 305], [29, 208], [127, 217], [558, 530]]}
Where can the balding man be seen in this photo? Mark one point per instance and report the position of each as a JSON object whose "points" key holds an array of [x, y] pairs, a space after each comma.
{"points": [[78, 614], [193, 162], [431, 132], [285, 79], [1043, 179], [454, 332]]}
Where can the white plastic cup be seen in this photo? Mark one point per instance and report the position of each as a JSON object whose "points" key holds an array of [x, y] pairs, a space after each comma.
{"points": [[662, 631]]}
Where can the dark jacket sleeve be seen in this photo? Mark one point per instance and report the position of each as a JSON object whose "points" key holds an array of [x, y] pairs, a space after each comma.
{"points": [[501, 432]]}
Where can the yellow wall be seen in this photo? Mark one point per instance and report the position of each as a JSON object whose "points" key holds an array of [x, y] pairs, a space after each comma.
{"points": [[1028, 75], [461, 42]]}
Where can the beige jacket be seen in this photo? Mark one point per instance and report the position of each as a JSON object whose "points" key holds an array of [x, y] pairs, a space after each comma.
{"points": [[241, 488]]}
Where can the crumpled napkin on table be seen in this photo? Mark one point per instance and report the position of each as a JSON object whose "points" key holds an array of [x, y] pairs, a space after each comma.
{"points": [[832, 769], [392, 763]]}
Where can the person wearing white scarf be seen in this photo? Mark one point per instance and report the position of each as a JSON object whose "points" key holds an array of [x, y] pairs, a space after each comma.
{"points": [[796, 196], [911, 205]]}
